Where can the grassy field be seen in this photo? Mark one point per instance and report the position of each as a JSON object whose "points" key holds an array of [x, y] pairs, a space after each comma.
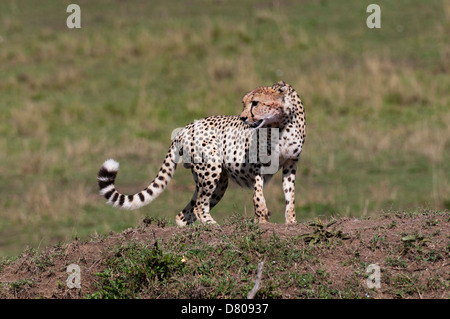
{"points": [[377, 104]]}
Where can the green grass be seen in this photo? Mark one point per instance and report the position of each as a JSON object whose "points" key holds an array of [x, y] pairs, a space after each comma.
{"points": [[377, 105], [134, 268]]}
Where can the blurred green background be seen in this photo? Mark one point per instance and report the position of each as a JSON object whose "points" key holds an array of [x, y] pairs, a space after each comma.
{"points": [[377, 105]]}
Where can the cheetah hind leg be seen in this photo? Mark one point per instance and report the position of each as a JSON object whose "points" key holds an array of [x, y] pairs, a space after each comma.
{"points": [[197, 208], [187, 216], [211, 188], [220, 190]]}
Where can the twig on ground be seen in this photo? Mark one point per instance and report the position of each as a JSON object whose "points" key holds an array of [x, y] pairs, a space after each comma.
{"points": [[255, 288]]}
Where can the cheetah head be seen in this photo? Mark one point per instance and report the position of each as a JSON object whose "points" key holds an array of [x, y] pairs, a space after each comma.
{"points": [[264, 106]]}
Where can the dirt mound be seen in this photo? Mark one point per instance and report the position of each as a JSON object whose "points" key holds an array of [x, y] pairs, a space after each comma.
{"points": [[337, 258]]}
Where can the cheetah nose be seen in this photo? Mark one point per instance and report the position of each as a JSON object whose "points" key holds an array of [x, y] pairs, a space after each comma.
{"points": [[243, 118]]}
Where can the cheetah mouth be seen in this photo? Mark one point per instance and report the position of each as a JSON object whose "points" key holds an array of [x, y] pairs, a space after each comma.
{"points": [[257, 124]]}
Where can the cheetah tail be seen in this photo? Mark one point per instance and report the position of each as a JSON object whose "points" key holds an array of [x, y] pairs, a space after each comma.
{"points": [[107, 175]]}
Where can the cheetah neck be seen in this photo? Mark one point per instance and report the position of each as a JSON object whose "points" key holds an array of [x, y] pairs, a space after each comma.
{"points": [[295, 114]]}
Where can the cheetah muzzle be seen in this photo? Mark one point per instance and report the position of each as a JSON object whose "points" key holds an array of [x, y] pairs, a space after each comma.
{"points": [[248, 149]]}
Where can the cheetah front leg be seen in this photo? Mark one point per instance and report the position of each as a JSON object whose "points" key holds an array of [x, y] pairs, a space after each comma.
{"points": [[261, 211], [289, 170]]}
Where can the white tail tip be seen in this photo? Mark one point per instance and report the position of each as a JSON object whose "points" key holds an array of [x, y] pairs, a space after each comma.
{"points": [[111, 165]]}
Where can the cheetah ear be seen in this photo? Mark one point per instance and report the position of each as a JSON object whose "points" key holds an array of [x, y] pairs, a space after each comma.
{"points": [[281, 87]]}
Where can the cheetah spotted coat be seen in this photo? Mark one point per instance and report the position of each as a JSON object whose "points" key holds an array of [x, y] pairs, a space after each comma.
{"points": [[249, 149]]}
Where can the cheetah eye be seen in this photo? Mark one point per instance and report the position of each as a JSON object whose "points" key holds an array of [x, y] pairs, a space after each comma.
{"points": [[254, 103]]}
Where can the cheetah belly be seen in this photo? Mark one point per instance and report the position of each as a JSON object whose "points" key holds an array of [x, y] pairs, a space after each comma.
{"points": [[242, 174]]}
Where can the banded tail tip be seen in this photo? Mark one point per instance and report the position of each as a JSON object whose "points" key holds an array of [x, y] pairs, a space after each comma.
{"points": [[106, 176], [111, 165]]}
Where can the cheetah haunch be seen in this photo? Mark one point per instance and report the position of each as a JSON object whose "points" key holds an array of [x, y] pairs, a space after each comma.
{"points": [[249, 149]]}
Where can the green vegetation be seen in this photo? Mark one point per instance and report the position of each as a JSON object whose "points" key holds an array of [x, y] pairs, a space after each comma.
{"points": [[208, 263], [134, 267], [321, 233], [377, 106]]}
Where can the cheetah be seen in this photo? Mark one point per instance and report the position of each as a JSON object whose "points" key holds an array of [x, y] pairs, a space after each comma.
{"points": [[248, 149]]}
